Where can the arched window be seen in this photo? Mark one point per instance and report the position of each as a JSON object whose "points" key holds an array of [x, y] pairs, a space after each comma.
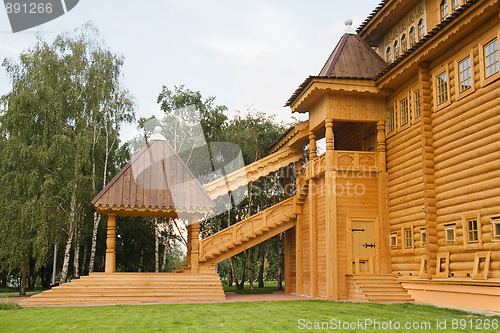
{"points": [[413, 36], [404, 43], [421, 28], [396, 49], [456, 4], [444, 9], [388, 55]]}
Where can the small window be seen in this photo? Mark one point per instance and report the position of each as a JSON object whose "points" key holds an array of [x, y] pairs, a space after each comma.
{"points": [[465, 74], [444, 9], [390, 120], [413, 36], [472, 231], [491, 58], [442, 88], [394, 240], [388, 55], [417, 103], [396, 49], [404, 43], [421, 28], [495, 224], [408, 238], [449, 230], [456, 4], [404, 111], [423, 236]]}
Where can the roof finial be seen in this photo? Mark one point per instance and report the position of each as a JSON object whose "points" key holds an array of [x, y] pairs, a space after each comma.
{"points": [[348, 27], [157, 134]]}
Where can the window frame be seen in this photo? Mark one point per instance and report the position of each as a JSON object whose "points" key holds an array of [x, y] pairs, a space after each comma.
{"points": [[421, 29], [401, 125], [455, 6], [412, 34], [482, 62], [396, 49], [450, 226], [393, 235], [495, 221], [462, 56], [423, 231], [442, 6], [404, 245], [388, 55], [404, 43], [465, 227], [439, 106], [392, 122], [414, 95]]}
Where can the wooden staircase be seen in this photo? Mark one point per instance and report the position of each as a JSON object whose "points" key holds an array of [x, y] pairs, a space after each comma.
{"points": [[132, 288], [247, 233], [381, 288]]}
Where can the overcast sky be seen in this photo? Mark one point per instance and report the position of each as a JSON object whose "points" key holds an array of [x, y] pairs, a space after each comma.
{"points": [[246, 53]]}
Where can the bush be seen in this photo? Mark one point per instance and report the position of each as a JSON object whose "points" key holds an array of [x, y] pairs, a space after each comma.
{"points": [[9, 306]]}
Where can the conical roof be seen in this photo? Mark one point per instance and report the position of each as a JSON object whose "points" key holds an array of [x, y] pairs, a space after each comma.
{"points": [[156, 182], [353, 58]]}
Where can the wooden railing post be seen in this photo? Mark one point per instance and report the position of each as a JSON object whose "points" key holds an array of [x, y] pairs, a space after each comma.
{"points": [[195, 244], [313, 232], [110, 264]]}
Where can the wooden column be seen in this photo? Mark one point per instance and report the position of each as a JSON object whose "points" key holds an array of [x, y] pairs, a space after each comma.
{"points": [[289, 234], [332, 271], [313, 227], [382, 250], [428, 167], [188, 244], [299, 258], [110, 264], [194, 240]]}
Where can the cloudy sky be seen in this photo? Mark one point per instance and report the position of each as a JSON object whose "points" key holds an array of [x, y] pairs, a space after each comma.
{"points": [[249, 54]]}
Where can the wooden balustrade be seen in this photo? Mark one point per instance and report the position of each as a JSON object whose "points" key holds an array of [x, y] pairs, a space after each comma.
{"points": [[247, 229]]}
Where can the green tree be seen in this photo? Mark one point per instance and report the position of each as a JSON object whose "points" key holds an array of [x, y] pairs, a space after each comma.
{"points": [[60, 128]]}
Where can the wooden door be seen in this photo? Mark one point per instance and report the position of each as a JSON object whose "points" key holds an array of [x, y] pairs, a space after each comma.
{"points": [[363, 247]]}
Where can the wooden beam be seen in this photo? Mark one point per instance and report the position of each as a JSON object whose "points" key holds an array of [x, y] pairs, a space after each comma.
{"points": [[313, 229], [289, 234], [332, 273], [299, 253], [382, 251], [195, 245], [110, 264]]}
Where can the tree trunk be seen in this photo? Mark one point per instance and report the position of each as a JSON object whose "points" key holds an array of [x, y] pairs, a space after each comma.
{"points": [[250, 273], [281, 262], [84, 260], [24, 280], [97, 219], [67, 249], [141, 261], [157, 247], [262, 257], [230, 279], [164, 260], [76, 257], [241, 284]]}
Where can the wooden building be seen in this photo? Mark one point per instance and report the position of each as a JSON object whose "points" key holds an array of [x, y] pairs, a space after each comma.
{"points": [[405, 202]]}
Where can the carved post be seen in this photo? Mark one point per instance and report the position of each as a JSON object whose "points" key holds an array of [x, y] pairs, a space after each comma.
{"points": [[299, 271], [382, 251], [189, 244], [313, 230], [332, 274], [110, 264], [195, 245]]}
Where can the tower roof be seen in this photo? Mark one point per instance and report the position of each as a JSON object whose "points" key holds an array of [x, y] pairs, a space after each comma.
{"points": [[353, 58], [155, 183]]}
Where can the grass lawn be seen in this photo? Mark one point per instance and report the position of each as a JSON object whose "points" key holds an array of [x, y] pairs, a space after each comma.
{"points": [[236, 317], [269, 287]]}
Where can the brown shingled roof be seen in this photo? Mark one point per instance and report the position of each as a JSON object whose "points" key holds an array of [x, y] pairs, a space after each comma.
{"points": [[156, 182], [352, 58]]}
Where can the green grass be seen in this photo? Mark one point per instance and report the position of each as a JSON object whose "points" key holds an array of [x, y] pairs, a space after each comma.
{"points": [[228, 317], [9, 306], [269, 288]]}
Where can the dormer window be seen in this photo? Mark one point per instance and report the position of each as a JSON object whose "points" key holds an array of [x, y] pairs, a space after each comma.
{"points": [[413, 36], [404, 43], [388, 55], [396, 49], [421, 28], [444, 9], [456, 4]]}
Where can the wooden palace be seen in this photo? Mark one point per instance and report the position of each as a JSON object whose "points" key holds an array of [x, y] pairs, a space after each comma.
{"points": [[405, 202]]}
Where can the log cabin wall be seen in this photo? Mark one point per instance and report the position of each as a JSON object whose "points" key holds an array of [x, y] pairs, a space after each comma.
{"points": [[443, 164]]}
